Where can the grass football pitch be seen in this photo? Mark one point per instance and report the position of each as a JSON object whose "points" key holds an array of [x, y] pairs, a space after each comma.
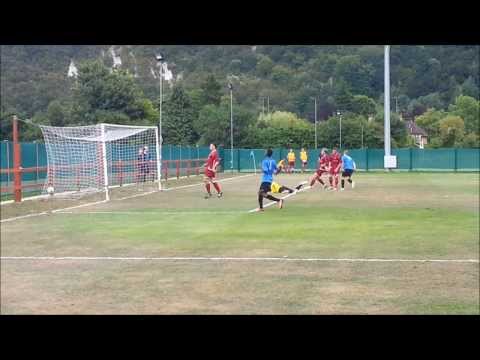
{"points": [[173, 252]]}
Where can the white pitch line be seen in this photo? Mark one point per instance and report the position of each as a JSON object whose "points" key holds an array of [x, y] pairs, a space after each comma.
{"points": [[285, 197], [154, 212], [79, 206], [23, 217], [221, 180], [103, 201], [186, 258], [179, 187]]}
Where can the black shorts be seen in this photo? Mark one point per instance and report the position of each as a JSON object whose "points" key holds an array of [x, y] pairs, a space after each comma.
{"points": [[347, 172], [265, 187]]}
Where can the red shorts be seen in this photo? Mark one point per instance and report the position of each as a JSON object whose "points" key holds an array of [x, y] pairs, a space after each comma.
{"points": [[334, 173], [210, 174], [320, 172], [291, 163]]}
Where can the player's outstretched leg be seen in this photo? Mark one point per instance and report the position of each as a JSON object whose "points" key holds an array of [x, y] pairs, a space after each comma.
{"points": [[284, 188], [336, 182]]}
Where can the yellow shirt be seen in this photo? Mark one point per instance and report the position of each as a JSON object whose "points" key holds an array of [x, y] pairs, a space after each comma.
{"points": [[275, 187], [303, 156], [291, 156]]}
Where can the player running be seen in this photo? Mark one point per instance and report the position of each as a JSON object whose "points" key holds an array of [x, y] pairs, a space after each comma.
{"points": [[269, 168], [291, 161], [349, 167], [335, 165], [211, 171], [323, 163], [304, 159]]}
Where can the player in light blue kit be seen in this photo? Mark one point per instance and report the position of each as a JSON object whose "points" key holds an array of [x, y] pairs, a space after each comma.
{"points": [[348, 168]]}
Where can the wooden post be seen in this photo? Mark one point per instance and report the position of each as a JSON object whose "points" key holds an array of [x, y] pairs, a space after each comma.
{"points": [[17, 175]]}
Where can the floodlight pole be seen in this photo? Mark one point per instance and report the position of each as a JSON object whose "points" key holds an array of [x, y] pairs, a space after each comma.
{"points": [[316, 146], [230, 86], [387, 102], [160, 59], [340, 115]]}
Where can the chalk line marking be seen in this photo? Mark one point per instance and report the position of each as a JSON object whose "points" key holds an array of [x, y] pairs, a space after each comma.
{"points": [[103, 201], [283, 198], [189, 212], [180, 187], [191, 258]]}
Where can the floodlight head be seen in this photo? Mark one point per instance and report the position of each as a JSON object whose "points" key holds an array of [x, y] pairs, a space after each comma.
{"points": [[230, 86], [159, 57]]}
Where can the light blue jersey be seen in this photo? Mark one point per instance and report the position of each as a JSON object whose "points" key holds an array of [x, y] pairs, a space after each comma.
{"points": [[348, 163], [269, 166]]}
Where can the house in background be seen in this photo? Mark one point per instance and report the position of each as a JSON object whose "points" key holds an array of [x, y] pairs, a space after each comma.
{"points": [[417, 133]]}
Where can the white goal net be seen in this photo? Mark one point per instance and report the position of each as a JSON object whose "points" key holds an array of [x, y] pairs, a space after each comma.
{"points": [[86, 159]]}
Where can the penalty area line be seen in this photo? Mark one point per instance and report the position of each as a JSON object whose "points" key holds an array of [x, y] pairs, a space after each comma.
{"points": [[191, 258]]}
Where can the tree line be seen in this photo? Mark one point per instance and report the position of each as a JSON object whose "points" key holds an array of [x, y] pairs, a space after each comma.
{"points": [[196, 108]]}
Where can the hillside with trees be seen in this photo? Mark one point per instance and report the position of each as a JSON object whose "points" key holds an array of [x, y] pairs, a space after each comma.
{"points": [[274, 91]]}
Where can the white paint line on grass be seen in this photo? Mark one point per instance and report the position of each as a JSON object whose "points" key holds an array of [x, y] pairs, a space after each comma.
{"points": [[189, 212], [283, 198], [179, 187], [23, 217], [103, 201], [189, 258]]}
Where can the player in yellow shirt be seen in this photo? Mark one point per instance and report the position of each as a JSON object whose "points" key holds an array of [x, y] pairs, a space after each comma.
{"points": [[291, 161], [304, 158], [276, 188], [281, 166]]}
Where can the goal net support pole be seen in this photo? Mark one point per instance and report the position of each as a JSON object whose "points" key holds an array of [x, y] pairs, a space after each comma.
{"points": [[104, 161], [159, 159]]}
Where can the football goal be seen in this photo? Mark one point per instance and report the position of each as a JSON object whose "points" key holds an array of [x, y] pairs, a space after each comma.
{"points": [[86, 159]]}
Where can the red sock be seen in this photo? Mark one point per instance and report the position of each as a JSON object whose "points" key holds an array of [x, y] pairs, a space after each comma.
{"points": [[215, 185], [312, 182], [207, 186], [330, 179], [336, 182]]}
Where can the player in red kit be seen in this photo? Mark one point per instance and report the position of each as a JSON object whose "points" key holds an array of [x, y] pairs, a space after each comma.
{"points": [[335, 166], [211, 172], [323, 163]]}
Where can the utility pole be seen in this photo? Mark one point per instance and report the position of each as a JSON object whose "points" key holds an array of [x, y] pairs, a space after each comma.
{"points": [[230, 86], [316, 143]]}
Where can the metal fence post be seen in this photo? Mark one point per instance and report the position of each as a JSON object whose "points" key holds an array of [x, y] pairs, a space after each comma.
{"points": [[366, 159], [456, 159], [8, 163], [411, 159]]}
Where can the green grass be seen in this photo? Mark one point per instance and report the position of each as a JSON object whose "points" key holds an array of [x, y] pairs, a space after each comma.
{"points": [[400, 215]]}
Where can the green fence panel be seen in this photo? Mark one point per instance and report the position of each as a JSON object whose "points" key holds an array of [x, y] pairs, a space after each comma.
{"points": [[403, 158], [6, 148], [375, 159], [468, 159], [360, 158], [433, 159]]}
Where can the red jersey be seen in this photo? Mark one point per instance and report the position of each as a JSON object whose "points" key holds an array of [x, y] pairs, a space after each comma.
{"points": [[212, 161], [323, 162], [335, 161]]}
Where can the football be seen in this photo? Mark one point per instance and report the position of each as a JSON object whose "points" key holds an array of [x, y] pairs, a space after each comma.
{"points": [[50, 190]]}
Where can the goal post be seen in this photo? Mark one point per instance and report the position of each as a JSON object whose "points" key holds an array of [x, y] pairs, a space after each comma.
{"points": [[96, 158]]}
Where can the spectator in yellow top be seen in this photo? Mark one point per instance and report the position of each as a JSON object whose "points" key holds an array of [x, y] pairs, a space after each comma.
{"points": [[291, 161], [304, 158]]}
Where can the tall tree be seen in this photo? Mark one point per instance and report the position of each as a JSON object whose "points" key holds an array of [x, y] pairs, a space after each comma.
{"points": [[178, 120], [211, 91]]}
